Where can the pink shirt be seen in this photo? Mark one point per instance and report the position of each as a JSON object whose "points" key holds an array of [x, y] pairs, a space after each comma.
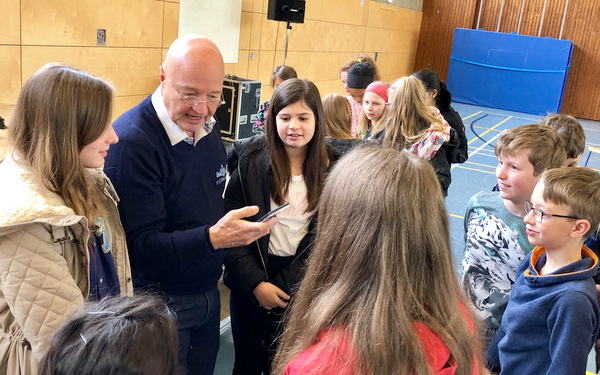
{"points": [[326, 357], [356, 108]]}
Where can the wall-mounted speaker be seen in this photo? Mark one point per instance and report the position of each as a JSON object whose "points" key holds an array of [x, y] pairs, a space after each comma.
{"points": [[286, 10]]}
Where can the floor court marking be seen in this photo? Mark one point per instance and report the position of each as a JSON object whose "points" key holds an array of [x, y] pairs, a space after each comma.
{"points": [[489, 130], [468, 117], [484, 145], [473, 169], [482, 165], [528, 119]]}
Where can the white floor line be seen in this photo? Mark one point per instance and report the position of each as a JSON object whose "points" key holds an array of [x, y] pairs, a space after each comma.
{"points": [[481, 147], [225, 325]]}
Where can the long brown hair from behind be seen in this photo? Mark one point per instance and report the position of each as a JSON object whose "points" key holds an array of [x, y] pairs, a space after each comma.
{"points": [[338, 116], [316, 162], [410, 117], [381, 262], [60, 110]]}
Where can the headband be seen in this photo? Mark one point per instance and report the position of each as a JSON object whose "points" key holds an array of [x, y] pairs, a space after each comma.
{"points": [[379, 88]]}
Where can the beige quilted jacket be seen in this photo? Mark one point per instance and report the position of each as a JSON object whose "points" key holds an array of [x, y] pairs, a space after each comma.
{"points": [[44, 262]]}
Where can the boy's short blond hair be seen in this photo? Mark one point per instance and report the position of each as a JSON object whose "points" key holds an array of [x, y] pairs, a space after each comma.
{"points": [[578, 188], [571, 132], [543, 144]]}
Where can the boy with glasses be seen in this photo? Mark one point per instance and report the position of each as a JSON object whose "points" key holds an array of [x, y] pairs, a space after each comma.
{"points": [[495, 239], [552, 318]]}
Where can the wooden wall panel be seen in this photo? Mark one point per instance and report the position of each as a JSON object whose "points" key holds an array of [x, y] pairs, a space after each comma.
{"points": [[10, 25], [334, 31], [247, 5], [270, 31], [391, 17], [140, 31], [341, 11], [170, 23], [35, 32], [133, 71], [581, 27], [125, 103], [240, 68], [127, 23], [260, 6], [10, 74], [440, 18], [256, 31]]}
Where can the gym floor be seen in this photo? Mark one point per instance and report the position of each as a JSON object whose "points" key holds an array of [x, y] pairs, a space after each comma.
{"points": [[483, 126]]}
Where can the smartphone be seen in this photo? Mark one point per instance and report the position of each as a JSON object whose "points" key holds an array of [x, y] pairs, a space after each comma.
{"points": [[274, 212]]}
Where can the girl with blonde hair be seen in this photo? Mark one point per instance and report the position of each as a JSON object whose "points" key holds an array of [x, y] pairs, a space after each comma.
{"points": [[380, 295], [415, 125], [61, 240], [374, 109]]}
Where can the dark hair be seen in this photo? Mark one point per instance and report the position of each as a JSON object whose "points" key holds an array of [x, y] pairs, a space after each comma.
{"points": [[316, 162], [283, 72], [118, 335], [431, 81], [359, 59], [363, 73]]}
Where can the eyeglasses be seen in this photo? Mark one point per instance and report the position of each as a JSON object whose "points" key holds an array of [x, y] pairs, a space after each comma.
{"points": [[538, 214], [192, 101]]}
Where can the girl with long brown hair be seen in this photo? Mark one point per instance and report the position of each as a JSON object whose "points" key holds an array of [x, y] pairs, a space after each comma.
{"points": [[286, 165], [61, 240], [380, 295], [337, 116]]}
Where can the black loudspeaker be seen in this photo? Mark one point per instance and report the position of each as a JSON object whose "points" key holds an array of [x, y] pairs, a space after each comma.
{"points": [[286, 10]]}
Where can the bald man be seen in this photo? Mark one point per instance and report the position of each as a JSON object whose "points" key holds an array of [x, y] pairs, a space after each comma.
{"points": [[169, 171]]}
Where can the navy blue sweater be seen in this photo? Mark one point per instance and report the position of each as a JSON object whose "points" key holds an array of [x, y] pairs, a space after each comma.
{"points": [[551, 321], [169, 197]]}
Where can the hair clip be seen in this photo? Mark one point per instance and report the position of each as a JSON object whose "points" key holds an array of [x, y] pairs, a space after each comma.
{"points": [[83, 338], [359, 59], [113, 313]]}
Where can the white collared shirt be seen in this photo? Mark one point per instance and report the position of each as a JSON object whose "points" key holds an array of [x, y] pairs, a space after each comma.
{"points": [[174, 132]]}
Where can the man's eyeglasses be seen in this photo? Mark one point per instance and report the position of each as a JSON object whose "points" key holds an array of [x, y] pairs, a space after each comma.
{"points": [[538, 214], [192, 101]]}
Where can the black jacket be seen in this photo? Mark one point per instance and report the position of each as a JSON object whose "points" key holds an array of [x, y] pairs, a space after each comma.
{"points": [[250, 184], [460, 152]]}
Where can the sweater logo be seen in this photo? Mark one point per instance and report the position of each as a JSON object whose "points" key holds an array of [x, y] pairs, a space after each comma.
{"points": [[102, 235], [221, 175]]}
